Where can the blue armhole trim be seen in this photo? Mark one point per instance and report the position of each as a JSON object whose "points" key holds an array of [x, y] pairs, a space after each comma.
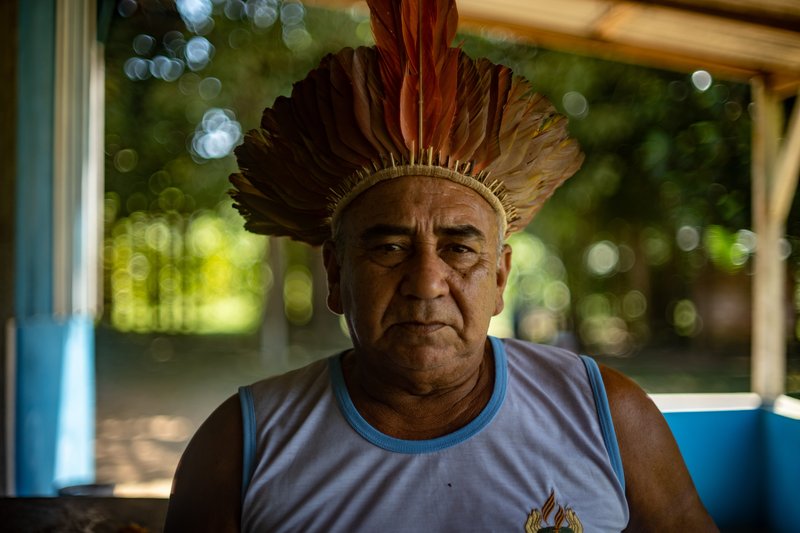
{"points": [[604, 415], [248, 436]]}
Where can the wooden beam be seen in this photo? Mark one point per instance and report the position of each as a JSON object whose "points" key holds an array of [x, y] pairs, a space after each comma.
{"points": [[783, 14], [625, 53], [605, 26], [788, 166], [769, 281]]}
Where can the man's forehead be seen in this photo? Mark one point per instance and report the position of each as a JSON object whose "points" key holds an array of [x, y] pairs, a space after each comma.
{"points": [[414, 200], [464, 230]]}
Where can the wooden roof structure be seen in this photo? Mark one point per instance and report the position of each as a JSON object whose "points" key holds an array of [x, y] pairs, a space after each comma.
{"points": [[732, 39]]}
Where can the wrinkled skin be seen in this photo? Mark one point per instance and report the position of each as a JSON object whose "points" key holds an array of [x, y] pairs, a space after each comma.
{"points": [[420, 276], [418, 271]]}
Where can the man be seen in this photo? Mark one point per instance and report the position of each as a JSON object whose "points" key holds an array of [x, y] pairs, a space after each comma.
{"points": [[426, 424]]}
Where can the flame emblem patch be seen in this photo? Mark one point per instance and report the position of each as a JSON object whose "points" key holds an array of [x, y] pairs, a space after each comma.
{"points": [[564, 520]]}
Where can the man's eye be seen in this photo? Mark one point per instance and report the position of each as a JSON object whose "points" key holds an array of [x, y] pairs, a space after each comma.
{"points": [[388, 247], [459, 249], [387, 253], [459, 256]]}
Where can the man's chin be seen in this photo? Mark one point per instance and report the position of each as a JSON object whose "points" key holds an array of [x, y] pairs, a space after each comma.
{"points": [[430, 349], [420, 330], [422, 337]]}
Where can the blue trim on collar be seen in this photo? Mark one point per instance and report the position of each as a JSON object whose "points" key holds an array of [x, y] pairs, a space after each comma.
{"points": [[392, 444]]}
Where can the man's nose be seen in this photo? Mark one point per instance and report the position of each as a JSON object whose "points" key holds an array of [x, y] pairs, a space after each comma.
{"points": [[425, 277]]}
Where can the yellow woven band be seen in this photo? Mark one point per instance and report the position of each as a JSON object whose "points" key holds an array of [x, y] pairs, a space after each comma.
{"points": [[492, 193]]}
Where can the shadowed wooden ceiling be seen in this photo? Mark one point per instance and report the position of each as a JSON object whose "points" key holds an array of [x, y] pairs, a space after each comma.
{"points": [[732, 39]]}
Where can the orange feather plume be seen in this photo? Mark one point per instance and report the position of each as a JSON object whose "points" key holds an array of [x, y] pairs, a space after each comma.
{"points": [[412, 95]]}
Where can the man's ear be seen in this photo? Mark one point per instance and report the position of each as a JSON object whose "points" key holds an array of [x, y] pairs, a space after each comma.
{"points": [[503, 270], [333, 272]]}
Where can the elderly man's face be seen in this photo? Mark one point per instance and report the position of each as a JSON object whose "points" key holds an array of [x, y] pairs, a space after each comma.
{"points": [[418, 273]]}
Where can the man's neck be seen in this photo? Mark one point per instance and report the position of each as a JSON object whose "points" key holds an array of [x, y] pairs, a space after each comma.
{"points": [[402, 411]]}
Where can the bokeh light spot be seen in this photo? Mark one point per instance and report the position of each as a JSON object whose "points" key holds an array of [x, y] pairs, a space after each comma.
{"points": [[198, 53], [296, 38], [234, 9], [137, 69], [701, 80], [292, 13], [656, 246], [189, 83], [685, 318], [575, 104], [217, 134], [556, 296], [538, 326], [143, 44], [126, 8], [687, 238], [634, 304], [209, 88], [126, 160], [239, 38], [602, 258], [196, 14], [264, 14]]}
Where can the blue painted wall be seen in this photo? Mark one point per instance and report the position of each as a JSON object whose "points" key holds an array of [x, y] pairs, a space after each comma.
{"points": [[54, 409], [34, 185], [745, 465], [782, 468], [54, 438]]}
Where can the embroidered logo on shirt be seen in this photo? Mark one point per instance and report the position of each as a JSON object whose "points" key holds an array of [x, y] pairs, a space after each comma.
{"points": [[539, 520]]}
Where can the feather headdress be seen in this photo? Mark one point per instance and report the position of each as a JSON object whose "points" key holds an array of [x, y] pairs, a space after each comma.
{"points": [[412, 105]]}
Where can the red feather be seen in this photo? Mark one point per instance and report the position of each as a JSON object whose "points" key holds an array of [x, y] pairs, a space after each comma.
{"points": [[418, 67]]}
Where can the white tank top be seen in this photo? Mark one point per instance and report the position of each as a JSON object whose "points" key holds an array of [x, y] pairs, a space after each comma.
{"points": [[541, 456]]}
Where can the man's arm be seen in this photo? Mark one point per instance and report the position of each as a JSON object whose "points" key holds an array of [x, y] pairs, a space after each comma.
{"points": [[661, 495], [206, 491]]}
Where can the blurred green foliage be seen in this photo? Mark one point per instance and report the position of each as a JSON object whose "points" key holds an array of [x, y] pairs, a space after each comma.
{"points": [[620, 258]]}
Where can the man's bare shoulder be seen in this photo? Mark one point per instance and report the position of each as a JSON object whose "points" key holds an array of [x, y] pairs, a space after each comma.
{"points": [[659, 489], [206, 491]]}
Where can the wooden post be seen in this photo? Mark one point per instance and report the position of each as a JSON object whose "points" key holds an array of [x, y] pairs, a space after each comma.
{"points": [[775, 166]]}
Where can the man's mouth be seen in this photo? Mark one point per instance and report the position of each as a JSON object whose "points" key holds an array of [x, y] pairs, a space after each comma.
{"points": [[421, 328]]}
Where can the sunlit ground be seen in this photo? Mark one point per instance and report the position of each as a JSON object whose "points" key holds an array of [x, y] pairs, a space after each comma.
{"points": [[152, 394]]}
